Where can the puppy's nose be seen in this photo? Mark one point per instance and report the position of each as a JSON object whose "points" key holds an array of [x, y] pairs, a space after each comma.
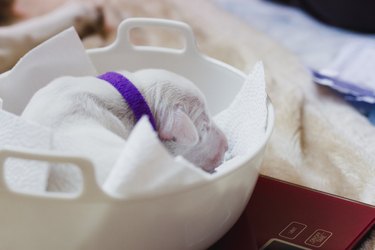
{"points": [[226, 147], [223, 148], [223, 145], [223, 140]]}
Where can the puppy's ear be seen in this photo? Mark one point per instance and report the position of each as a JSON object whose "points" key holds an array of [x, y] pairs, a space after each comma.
{"points": [[178, 127]]}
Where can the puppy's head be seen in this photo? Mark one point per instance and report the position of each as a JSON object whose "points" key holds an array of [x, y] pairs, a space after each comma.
{"points": [[182, 118]]}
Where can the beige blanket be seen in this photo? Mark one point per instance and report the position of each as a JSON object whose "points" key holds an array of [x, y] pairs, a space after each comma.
{"points": [[319, 141]]}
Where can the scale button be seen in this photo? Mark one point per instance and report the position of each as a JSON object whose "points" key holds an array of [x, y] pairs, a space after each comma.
{"points": [[318, 238], [292, 230]]}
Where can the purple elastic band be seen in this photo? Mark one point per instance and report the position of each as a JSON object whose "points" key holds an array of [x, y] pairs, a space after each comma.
{"points": [[131, 94]]}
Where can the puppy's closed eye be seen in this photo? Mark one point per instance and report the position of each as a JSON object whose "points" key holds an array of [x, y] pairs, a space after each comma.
{"points": [[206, 127], [179, 128]]}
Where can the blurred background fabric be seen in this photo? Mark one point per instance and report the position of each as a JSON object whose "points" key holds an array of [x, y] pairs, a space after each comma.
{"points": [[314, 42], [353, 15]]}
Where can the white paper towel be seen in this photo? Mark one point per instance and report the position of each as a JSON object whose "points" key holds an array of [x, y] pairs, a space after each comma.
{"points": [[61, 55], [26, 176], [244, 121], [146, 167]]}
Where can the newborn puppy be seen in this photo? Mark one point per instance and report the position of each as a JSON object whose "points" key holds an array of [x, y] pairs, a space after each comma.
{"points": [[17, 39], [182, 117], [95, 117]]}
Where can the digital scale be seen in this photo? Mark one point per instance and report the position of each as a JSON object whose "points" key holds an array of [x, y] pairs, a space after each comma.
{"points": [[285, 216]]}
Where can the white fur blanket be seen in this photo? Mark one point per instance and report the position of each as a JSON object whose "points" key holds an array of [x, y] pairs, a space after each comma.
{"points": [[319, 141]]}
